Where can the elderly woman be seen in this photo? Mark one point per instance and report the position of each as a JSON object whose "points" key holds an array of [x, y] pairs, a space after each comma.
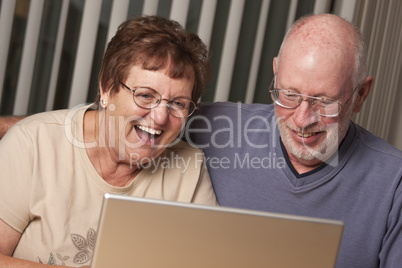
{"points": [[56, 166]]}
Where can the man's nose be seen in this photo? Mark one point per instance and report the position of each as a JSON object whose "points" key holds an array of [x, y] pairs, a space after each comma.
{"points": [[304, 114]]}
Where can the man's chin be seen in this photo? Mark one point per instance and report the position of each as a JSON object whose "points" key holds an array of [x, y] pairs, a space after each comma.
{"points": [[302, 154], [305, 153]]}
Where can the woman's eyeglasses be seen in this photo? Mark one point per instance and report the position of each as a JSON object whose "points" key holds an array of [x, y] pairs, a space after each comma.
{"points": [[149, 98]]}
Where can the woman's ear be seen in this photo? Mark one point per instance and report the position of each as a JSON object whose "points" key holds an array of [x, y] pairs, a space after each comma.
{"points": [[104, 94], [362, 93]]}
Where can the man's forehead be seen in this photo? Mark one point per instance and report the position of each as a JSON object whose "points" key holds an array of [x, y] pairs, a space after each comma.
{"points": [[317, 58], [326, 31], [317, 77]]}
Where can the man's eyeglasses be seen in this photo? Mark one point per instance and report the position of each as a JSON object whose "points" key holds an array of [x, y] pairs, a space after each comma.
{"points": [[149, 98], [321, 106]]}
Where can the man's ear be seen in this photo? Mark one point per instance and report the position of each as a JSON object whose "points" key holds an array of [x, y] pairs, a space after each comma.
{"points": [[274, 65], [362, 93]]}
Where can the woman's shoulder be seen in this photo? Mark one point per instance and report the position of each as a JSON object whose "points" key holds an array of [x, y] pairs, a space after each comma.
{"points": [[63, 116], [49, 125], [57, 116]]}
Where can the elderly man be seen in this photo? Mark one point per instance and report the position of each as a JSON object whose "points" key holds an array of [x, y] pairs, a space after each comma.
{"points": [[303, 155]]}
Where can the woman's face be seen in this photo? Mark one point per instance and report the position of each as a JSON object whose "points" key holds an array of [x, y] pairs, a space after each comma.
{"points": [[136, 135]]}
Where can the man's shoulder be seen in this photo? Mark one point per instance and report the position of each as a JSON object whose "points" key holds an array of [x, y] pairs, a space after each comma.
{"points": [[377, 145]]}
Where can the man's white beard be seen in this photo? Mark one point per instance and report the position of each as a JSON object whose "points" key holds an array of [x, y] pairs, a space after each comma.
{"points": [[325, 149]]}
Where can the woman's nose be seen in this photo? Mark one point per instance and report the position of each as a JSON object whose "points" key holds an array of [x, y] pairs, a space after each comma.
{"points": [[160, 114]]}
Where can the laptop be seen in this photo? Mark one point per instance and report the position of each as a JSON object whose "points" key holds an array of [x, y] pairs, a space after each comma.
{"points": [[139, 232]]}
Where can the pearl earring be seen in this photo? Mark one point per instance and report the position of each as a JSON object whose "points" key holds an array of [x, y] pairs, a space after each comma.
{"points": [[104, 103]]}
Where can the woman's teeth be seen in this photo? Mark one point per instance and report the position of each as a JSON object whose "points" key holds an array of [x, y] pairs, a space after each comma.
{"points": [[150, 130], [305, 135]]}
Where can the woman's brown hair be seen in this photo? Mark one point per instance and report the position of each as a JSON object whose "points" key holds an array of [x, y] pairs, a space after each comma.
{"points": [[155, 43]]}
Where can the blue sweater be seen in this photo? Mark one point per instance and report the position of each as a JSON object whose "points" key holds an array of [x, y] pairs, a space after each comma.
{"points": [[360, 186]]}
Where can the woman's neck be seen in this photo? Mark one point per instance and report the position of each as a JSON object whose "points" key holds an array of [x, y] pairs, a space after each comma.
{"points": [[104, 158]]}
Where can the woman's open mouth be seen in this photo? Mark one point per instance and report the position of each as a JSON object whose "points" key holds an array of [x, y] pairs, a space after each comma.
{"points": [[147, 134]]}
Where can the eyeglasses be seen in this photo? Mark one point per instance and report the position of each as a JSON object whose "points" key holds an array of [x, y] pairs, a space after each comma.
{"points": [[149, 98], [321, 106]]}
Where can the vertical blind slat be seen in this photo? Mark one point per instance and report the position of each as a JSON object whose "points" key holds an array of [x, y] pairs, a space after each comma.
{"points": [[179, 11], [345, 9], [6, 25], [366, 23], [207, 21], [393, 48], [118, 15], [28, 57], [291, 13], [368, 27], [257, 51], [57, 55], [85, 52], [382, 67], [322, 6], [386, 64], [229, 51], [376, 52], [150, 7]]}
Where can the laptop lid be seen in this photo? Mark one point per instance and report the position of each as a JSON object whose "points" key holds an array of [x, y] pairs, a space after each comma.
{"points": [[138, 232]]}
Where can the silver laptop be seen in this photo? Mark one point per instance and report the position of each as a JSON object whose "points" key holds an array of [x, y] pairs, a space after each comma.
{"points": [[138, 232]]}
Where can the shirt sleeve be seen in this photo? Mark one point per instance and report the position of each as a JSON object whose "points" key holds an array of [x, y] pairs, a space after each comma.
{"points": [[16, 163]]}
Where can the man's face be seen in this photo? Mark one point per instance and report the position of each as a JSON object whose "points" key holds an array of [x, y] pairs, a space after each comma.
{"points": [[310, 138]]}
